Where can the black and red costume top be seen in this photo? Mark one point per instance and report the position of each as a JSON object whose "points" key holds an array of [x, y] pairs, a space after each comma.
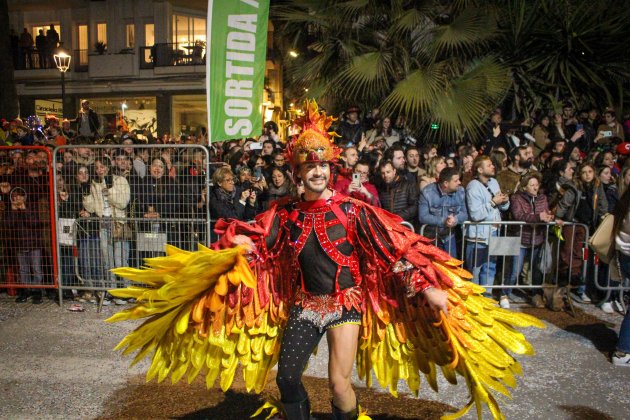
{"points": [[337, 253]]}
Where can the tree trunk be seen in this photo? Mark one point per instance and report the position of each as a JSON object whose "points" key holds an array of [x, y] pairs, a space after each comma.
{"points": [[9, 107]]}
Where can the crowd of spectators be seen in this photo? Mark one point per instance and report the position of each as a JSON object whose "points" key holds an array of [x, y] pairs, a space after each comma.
{"points": [[535, 172]]}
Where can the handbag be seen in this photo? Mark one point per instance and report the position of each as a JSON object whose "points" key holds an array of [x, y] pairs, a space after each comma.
{"points": [[545, 258], [65, 231], [602, 241]]}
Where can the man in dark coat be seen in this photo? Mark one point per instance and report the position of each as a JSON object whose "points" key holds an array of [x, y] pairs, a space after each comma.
{"points": [[397, 194]]}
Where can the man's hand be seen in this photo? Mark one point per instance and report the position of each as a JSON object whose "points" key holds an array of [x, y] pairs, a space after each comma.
{"points": [[450, 221], [437, 300], [579, 133], [500, 198], [245, 241]]}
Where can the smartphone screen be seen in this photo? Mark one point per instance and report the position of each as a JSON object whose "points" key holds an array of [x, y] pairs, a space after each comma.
{"points": [[579, 126]]}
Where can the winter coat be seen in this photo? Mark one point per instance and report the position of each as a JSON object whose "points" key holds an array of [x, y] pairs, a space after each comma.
{"points": [[401, 198], [571, 197], [526, 208], [220, 208], [118, 198]]}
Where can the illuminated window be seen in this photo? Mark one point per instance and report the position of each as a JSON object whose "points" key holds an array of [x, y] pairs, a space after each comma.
{"points": [[45, 28], [84, 45], [101, 32], [189, 30], [130, 35], [149, 40]]}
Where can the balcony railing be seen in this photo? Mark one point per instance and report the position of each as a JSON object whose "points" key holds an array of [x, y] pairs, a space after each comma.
{"points": [[172, 54]]}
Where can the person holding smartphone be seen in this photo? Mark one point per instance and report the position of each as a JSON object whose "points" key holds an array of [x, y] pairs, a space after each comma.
{"points": [[359, 185], [609, 129]]}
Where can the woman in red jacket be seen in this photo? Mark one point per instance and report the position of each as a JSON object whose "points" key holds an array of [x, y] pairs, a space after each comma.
{"points": [[527, 205]]}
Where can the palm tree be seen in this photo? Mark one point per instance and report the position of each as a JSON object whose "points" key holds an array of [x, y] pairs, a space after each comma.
{"points": [[9, 104], [565, 49], [428, 60]]}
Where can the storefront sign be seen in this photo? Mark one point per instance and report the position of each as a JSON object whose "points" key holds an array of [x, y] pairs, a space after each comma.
{"points": [[44, 107], [235, 70]]}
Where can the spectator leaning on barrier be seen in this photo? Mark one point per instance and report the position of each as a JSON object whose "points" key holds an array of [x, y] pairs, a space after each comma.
{"points": [[442, 207], [397, 194], [223, 202], [109, 198], [485, 202], [582, 202], [527, 205], [26, 241]]}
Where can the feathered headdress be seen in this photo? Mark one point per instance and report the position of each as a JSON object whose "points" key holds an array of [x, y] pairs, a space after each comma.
{"points": [[314, 143]]}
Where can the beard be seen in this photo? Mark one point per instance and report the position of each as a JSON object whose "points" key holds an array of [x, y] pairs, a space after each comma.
{"points": [[525, 164], [316, 184]]}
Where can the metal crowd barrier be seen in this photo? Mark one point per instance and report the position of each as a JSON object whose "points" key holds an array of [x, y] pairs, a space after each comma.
{"points": [[494, 258], [28, 260], [119, 204]]}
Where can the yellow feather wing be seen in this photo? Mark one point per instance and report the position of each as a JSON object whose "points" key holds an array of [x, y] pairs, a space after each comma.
{"points": [[474, 341], [205, 312]]}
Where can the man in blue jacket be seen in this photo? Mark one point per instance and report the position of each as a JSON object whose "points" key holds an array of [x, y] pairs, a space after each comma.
{"points": [[485, 203], [441, 208]]}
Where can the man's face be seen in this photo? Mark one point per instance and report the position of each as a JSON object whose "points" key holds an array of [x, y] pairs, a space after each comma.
{"points": [[452, 185], [353, 116], [432, 153], [413, 159], [567, 111], [279, 161], [123, 163], [487, 169], [388, 173], [267, 149], [398, 159], [526, 158], [315, 176], [351, 157], [609, 118], [559, 147]]}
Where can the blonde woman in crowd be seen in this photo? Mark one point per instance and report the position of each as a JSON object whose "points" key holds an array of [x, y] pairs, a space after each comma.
{"points": [[434, 167]]}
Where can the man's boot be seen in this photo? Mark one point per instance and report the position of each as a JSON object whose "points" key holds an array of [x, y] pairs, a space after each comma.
{"points": [[337, 414], [297, 411]]}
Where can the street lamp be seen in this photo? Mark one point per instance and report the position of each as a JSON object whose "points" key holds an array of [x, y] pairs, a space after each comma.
{"points": [[62, 61]]}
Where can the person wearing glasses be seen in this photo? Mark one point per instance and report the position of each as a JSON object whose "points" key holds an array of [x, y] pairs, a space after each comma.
{"points": [[224, 204], [358, 185]]}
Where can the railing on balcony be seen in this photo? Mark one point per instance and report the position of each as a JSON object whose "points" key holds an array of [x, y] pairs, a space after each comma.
{"points": [[172, 54], [34, 59], [80, 60]]}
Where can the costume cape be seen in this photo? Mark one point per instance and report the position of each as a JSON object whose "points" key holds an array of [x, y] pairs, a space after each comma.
{"points": [[210, 310]]}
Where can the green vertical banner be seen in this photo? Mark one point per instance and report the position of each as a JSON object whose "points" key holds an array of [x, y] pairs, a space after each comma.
{"points": [[236, 54]]}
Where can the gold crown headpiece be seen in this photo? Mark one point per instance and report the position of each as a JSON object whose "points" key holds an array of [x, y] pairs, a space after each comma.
{"points": [[314, 142]]}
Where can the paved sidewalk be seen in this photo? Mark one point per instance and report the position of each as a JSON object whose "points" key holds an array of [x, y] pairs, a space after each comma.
{"points": [[60, 364]]}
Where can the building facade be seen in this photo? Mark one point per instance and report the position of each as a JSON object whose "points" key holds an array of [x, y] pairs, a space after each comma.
{"points": [[137, 61]]}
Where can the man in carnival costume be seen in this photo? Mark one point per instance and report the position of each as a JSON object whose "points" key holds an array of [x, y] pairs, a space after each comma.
{"points": [[327, 264]]}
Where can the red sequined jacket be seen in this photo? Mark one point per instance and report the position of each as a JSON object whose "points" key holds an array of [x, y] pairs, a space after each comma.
{"points": [[340, 247]]}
